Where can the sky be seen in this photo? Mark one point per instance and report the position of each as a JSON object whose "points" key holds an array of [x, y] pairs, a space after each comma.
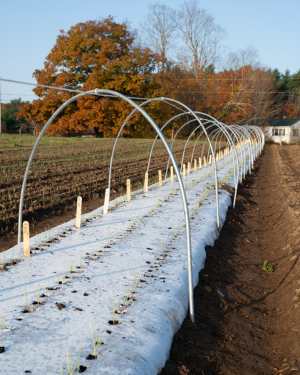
{"points": [[29, 29]]}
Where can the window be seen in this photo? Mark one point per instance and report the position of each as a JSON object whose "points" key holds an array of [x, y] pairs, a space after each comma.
{"points": [[295, 132], [279, 132]]}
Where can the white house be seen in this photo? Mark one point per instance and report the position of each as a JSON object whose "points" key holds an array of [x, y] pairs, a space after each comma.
{"points": [[282, 130]]}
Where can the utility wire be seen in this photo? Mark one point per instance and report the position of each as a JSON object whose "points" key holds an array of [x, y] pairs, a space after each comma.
{"points": [[64, 89]]}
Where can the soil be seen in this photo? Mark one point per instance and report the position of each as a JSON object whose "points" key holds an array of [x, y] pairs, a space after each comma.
{"points": [[51, 192], [247, 318], [54, 214]]}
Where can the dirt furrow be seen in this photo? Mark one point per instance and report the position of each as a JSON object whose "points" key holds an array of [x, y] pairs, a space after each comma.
{"points": [[247, 318]]}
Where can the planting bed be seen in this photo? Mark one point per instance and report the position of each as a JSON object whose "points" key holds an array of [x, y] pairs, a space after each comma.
{"points": [[123, 274], [64, 168]]}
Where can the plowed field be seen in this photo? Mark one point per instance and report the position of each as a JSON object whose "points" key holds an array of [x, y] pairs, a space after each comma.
{"points": [[64, 168]]}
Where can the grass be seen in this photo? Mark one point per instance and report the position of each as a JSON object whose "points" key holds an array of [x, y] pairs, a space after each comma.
{"points": [[38, 293], [96, 339], [26, 300], [77, 365], [2, 324]]}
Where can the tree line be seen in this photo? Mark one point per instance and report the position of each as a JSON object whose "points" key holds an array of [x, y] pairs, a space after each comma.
{"points": [[175, 53]]}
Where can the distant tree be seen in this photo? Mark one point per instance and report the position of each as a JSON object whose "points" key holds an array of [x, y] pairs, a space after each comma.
{"points": [[209, 69], [9, 115], [94, 54], [288, 87]]}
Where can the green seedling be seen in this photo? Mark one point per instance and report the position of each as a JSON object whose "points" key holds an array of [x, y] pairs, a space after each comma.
{"points": [[99, 250], [39, 242], [77, 365], [267, 267], [96, 339], [165, 249], [2, 324], [71, 269], [19, 252], [58, 280], [64, 275], [38, 293], [124, 299], [26, 299], [135, 284], [128, 291], [113, 310]]}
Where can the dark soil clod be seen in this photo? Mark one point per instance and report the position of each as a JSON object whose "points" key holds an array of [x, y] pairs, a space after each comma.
{"points": [[2, 349], [91, 357], [82, 368], [60, 305], [113, 322]]}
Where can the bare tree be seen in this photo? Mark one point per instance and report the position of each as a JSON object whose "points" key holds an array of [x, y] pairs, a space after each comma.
{"points": [[200, 34], [241, 58], [160, 28]]}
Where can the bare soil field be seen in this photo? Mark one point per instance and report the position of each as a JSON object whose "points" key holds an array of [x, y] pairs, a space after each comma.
{"points": [[247, 319], [64, 168]]}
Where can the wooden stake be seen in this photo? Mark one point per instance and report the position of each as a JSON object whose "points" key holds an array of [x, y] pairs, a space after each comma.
{"points": [[26, 239], [209, 162], [200, 163], [204, 160], [106, 201], [159, 178], [189, 168], [183, 170], [172, 173], [217, 157], [195, 165], [146, 183], [128, 191], [78, 212]]}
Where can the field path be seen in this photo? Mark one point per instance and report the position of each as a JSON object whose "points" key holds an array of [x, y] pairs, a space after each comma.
{"points": [[254, 328]]}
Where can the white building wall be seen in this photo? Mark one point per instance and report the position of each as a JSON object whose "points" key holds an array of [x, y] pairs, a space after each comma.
{"points": [[297, 127], [278, 138]]}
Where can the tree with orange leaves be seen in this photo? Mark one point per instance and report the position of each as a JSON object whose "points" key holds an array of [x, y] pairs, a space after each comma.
{"points": [[290, 111], [94, 54]]}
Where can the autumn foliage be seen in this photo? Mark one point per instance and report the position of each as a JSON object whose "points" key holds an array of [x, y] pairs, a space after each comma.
{"points": [[105, 54], [290, 110], [95, 54]]}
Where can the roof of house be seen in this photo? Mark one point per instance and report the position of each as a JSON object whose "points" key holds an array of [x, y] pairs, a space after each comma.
{"points": [[279, 122]]}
